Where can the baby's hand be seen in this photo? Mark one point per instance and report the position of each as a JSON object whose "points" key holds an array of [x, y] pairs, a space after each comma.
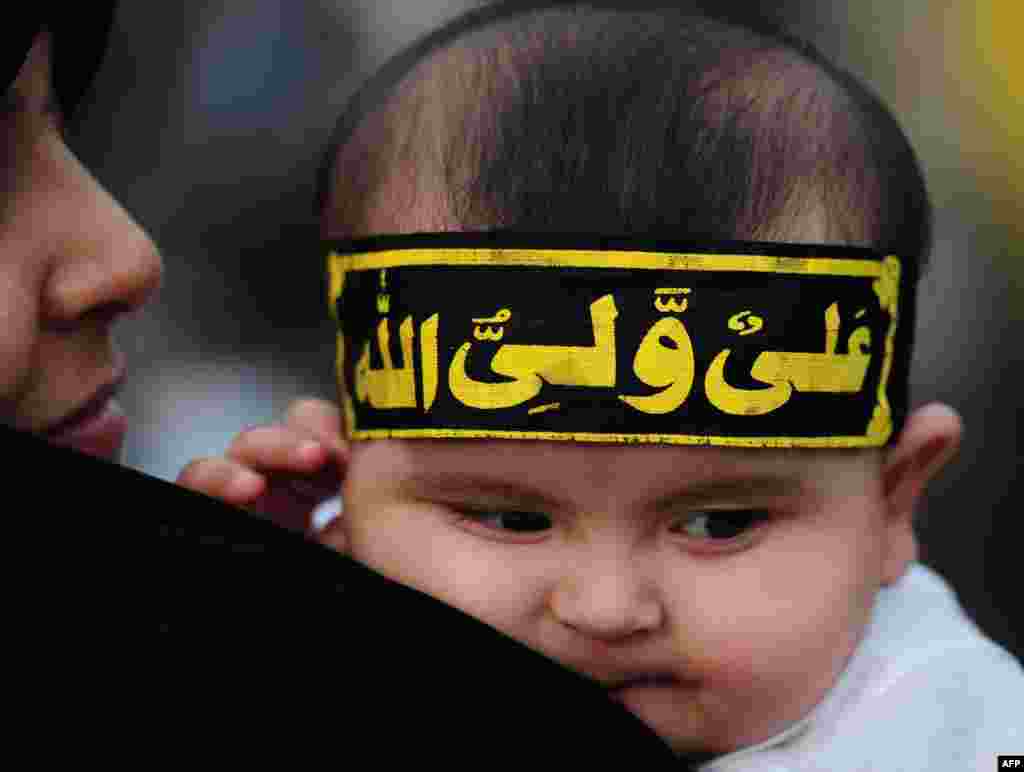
{"points": [[281, 471]]}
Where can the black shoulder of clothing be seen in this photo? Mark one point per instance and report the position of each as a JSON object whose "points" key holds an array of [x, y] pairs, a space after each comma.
{"points": [[270, 644]]}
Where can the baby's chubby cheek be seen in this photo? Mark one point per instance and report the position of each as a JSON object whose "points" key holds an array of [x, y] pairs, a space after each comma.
{"points": [[764, 662], [392, 541], [444, 562], [750, 688]]}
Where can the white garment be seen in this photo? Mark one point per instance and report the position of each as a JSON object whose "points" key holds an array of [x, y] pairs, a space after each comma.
{"points": [[925, 691]]}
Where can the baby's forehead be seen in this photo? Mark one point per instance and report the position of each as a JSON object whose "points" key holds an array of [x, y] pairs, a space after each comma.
{"points": [[613, 466]]}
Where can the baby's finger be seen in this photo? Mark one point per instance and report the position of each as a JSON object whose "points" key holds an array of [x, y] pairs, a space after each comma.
{"points": [[222, 479], [278, 449], [321, 419], [288, 503]]}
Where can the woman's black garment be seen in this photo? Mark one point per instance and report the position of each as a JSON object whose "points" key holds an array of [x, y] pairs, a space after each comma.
{"points": [[270, 643]]}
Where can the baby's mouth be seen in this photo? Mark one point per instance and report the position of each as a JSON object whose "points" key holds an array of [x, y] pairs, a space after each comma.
{"points": [[643, 680]]}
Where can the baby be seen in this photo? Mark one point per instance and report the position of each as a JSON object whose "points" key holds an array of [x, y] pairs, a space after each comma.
{"points": [[625, 301]]}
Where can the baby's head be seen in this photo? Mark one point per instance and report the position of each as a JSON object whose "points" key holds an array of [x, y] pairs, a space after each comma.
{"points": [[718, 588]]}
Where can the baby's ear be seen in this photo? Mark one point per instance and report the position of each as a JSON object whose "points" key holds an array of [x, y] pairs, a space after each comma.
{"points": [[929, 440]]}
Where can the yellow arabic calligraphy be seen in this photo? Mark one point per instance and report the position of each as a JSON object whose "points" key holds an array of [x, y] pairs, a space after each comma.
{"points": [[428, 359], [670, 305], [487, 333], [530, 366], [887, 288], [658, 364], [745, 323], [499, 318], [482, 329], [785, 371], [383, 299], [389, 387]]}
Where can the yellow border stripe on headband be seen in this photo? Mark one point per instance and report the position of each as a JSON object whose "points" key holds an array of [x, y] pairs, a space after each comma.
{"points": [[581, 258], [854, 441]]}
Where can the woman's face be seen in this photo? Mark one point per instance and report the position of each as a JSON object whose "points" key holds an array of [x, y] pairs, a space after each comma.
{"points": [[71, 262]]}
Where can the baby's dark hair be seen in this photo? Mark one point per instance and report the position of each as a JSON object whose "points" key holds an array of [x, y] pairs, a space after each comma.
{"points": [[620, 117]]}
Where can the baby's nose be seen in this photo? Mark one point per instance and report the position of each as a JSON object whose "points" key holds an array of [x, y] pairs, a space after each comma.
{"points": [[607, 601]]}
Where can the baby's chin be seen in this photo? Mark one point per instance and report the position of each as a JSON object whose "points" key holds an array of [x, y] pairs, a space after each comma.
{"points": [[699, 749], [699, 727], [678, 715]]}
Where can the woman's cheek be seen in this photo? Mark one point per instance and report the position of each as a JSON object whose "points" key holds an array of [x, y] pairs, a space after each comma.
{"points": [[16, 343]]}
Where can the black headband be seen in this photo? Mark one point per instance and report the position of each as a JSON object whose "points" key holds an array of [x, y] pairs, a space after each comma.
{"points": [[608, 339]]}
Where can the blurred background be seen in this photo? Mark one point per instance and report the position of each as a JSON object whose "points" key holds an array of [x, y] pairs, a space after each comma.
{"points": [[210, 117]]}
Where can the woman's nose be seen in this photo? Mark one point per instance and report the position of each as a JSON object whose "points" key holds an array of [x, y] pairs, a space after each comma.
{"points": [[606, 600], [107, 263]]}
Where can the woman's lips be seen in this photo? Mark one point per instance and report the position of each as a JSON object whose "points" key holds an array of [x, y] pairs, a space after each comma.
{"points": [[97, 429]]}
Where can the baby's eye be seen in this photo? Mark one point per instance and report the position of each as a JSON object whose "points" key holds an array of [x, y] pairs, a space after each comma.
{"points": [[508, 520], [719, 524]]}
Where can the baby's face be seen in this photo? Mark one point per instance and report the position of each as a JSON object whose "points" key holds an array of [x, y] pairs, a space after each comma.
{"points": [[737, 582]]}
